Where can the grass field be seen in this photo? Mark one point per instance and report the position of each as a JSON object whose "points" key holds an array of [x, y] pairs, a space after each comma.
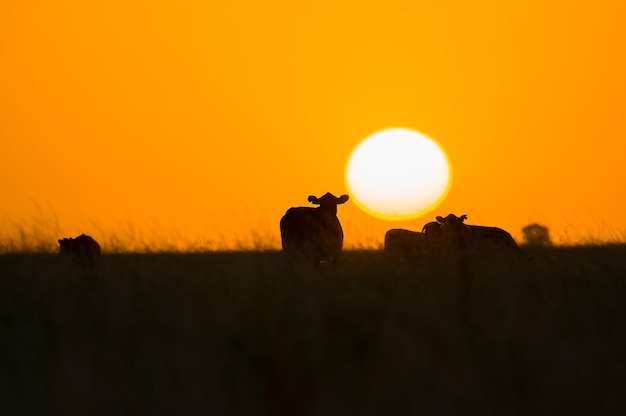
{"points": [[247, 333]]}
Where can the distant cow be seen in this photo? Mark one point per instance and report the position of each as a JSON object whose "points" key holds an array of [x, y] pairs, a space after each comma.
{"points": [[314, 234], [411, 244], [462, 235], [448, 232], [404, 243], [83, 249]]}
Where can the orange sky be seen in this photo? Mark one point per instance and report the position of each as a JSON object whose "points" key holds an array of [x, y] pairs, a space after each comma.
{"points": [[147, 121]]}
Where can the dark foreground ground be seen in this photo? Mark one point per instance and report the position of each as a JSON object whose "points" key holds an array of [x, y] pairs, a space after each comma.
{"points": [[250, 334]]}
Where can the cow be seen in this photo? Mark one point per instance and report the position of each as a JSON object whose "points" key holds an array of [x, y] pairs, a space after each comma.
{"points": [[447, 233], [404, 243], [313, 234], [410, 244], [460, 235], [82, 249]]}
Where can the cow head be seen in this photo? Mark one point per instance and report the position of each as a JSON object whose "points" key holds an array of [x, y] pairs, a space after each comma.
{"points": [[328, 202], [452, 223], [451, 219], [452, 229], [66, 245]]}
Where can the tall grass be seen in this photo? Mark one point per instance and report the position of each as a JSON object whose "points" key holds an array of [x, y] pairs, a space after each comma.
{"points": [[40, 232], [42, 237], [249, 333]]}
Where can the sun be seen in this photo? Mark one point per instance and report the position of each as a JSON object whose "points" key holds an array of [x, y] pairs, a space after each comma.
{"points": [[398, 174]]}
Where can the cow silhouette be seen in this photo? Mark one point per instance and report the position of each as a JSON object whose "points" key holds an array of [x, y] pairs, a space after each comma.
{"points": [[405, 243], [82, 249], [449, 233], [313, 234], [454, 231], [408, 244]]}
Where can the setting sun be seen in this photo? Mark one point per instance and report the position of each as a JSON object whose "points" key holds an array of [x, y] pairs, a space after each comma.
{"points": [[398, 174]]}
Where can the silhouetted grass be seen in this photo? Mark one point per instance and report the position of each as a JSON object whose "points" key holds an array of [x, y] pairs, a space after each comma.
{"points": [[248, 333]]}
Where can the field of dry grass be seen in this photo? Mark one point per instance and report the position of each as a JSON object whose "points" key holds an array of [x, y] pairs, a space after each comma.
{"points": [[241, 333]]}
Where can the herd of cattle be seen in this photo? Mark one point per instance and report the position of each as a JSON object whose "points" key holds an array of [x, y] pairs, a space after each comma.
{"points": [[447, 232], [314, 235]]}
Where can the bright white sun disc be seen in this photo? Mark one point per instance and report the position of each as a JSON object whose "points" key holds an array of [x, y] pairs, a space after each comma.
{"points": [[397, 174]]}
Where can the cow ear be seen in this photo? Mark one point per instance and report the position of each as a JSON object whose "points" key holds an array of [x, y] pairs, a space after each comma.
{"points": [[313, 199], [439, 218], [342, 199], [60, 241], [463, 217]]}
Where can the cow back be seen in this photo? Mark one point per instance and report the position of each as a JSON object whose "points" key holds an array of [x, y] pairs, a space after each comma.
{"points": [[491, 236], [311, 233], [404, 243], [82, 249]]}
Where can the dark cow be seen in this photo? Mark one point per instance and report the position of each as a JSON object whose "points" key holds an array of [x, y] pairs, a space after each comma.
{"points": [[314, 234], [410, 244], [404, 243], [447, 233], [460, 235], [82, 249]]}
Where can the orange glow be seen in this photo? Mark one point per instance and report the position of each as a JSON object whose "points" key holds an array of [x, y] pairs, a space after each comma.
{"points": [[197, 124]]}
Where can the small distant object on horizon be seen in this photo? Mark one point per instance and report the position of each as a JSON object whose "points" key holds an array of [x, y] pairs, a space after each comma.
{"points": [[314, 234], [83, 249], [536, 235]]}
